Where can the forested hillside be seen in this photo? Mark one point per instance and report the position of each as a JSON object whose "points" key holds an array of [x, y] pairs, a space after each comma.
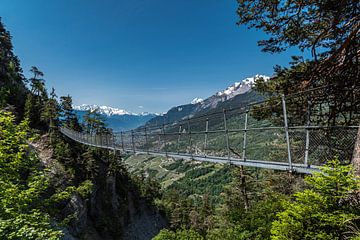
{"points": [[271, 205], [52, 187]]}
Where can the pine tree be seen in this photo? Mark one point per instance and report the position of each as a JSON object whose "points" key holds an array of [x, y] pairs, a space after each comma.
{"points": [[12, 81], [327, 28], [94, 122], [51, 111], [36, 100], [67, 113]]}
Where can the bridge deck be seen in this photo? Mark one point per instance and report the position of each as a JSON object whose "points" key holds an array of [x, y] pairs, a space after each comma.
{"points": [[288, 140], [284, 166]]}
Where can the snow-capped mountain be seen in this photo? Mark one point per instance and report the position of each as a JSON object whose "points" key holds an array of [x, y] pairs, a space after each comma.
{"points": [[197, 100], [109, 111], [232, 91], [115, 118], [241, 87], [237, 94]]}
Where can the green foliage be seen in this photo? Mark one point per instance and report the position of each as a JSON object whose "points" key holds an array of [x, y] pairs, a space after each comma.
{"points": [[322, 211], [182, 234], [67, 113], [22, 185], [310, 25], [32, 225], [37, 104], [51, 111], [85, 188], [179, 166], [229, 233], [94, 122], [13, 147], [318, 26], [200, 181], [12, 83], [148, 187]]}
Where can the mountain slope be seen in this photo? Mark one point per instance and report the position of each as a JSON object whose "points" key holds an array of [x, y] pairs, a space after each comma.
{"points": [[237, 95], [115, 118]]}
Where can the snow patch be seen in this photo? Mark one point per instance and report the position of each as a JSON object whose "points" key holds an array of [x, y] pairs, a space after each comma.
{"points": [[197, 100], [109, 111], [241, 87]]}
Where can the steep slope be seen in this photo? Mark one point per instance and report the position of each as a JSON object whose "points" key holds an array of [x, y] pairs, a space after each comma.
{"points": [[114, 210], [190, 178]]}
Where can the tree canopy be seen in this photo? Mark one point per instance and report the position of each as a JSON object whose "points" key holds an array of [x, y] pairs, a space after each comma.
{"points": [[330, 30]]}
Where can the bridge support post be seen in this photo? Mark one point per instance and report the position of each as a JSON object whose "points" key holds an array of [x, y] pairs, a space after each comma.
{"points": [[122, 141], [226, 135], [178, 140], [159, 140], [146, 141], [286, 127], [164, 139], [132, 141], [113, 141], [245, 135], [356, 155], [206, 135], [190, 140], [307, 141]]}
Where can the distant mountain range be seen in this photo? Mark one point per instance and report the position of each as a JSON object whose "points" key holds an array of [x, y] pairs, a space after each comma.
{"points": [[238, 94], [117, 119]]}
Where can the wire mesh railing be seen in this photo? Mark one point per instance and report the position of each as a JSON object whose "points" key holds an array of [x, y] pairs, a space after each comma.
{"points": [[279, 133]]}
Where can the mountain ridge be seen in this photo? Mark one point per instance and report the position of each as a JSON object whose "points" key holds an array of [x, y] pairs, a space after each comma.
{"points": [[240, 93], [109, 111]]}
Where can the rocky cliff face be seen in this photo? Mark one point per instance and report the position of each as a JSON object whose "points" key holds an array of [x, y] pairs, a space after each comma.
{"points": [[114, 209]]}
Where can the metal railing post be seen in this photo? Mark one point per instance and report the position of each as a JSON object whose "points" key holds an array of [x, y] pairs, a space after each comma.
{"points": [[122, 141], [164, 138], [146, 141], [178, 140], [159, 139], [245, 135], [307, 141], [132, 140], [226, 134], [286, 127], [206, 135], [189, 133]]}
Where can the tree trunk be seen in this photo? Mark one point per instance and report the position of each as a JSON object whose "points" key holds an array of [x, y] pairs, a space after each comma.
{"points": [[356, 155]]}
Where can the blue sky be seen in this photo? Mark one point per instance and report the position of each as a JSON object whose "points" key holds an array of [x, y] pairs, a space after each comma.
{"points": [[150, 53]]}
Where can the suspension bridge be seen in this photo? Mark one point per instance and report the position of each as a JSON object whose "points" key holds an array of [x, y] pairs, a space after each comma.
{"points": [[236, 136]]}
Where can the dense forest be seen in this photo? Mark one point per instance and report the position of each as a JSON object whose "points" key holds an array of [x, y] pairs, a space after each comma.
{"points": [[54, 188], [272, 205]]}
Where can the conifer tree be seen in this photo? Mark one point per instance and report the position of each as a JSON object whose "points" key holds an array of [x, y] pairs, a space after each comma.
{"points": [[12, 81], [36, 100], [94, 122], [330, 31], [67, 113], [51, 111]]}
